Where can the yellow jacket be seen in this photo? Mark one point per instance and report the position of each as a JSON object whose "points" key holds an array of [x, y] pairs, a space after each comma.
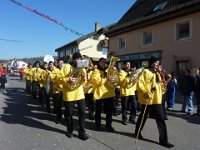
{"points": [[63, 78], [146, 82], [28, 73], [124, 82], [42, 78], [54, 77], [36, 72], [101, 89]]}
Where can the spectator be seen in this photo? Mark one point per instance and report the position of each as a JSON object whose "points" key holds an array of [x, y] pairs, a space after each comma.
{"points": [[171, 92], [3, 79], [187, 90], [197, 91]]}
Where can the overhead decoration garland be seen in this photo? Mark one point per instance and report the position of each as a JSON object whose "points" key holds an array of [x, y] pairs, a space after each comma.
{"points": [[8, 40], [47, 17]]}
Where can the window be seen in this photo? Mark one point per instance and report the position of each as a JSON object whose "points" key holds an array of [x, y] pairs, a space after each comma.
{"points": [[160, 6], [62, 53], [122, 42], [183, 30], [147, 37]]}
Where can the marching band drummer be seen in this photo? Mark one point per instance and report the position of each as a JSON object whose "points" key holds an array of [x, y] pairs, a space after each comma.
{"points": [[73, 96], [103, 95], [57, 91], [127, 93], [150, 97]]}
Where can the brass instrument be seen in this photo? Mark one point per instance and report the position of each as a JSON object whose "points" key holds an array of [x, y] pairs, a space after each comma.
{"points": [[89, 84], [48, 83], [164, 84], [112, 72], [78, 75], [134, 75]]}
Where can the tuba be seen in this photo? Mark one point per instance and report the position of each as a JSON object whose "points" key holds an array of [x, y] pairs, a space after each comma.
{"points": [[78, 74], [112, 72]]}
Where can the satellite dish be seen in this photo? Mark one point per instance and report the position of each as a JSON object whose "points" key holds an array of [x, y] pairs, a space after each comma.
{"points": [[48, 58]]}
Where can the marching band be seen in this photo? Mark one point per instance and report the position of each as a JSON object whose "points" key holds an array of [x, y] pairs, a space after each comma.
{"points": [[72, 84]]}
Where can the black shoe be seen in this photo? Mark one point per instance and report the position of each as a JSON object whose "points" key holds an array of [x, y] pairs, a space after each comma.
{"points": [[124, 122], [69, 134], [91, 116], [165, 118], [140, 137], [133, 121], [83, 136], [57, 121], [110, 129], [168, 145], [98, 128]]}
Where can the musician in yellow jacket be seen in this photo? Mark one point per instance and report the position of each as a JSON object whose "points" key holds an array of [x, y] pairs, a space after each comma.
{"points": [[103, 95], [57, 91], [28, 76], [36, 72], [73, 96], [150, 96], [41, 81], [127, 93], [89, 92]]}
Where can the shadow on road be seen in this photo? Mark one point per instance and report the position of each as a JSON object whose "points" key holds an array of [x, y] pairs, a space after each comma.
{"points": [[21, 109]]}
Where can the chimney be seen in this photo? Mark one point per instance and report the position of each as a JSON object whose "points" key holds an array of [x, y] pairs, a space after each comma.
{"points": [[97, 26]]}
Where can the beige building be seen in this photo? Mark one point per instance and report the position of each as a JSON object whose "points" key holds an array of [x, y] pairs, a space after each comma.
{"points": [[94, 45], [167, 29]]}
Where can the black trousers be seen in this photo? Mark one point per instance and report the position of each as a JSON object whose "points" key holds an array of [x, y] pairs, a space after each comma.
{"points": [[126, 101], [47, 100], [28, 86], [90, 102], [156, 111], [57, 102], [107, 104], [198, 102], [69, 115], [41, 95], [35, 89]]}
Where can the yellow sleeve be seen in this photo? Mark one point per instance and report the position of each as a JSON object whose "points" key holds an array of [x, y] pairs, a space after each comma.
{"points": [[97, 78], [145, 81], [63, 74], [123, 80]]}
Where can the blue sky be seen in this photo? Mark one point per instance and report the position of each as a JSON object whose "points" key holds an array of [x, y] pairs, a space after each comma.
{"points": [[40, 36]]}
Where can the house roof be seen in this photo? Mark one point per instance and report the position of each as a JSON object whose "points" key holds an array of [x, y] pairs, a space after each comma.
{"points": [[77, 41], [148, 12]]}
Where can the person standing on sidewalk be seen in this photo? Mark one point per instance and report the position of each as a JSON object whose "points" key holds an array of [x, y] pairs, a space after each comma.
{"points": [[187, 86], [197, 91], [3, 79]]}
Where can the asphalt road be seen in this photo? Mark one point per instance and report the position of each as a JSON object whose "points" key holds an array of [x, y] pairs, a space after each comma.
{"points": [[24, 125]]}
